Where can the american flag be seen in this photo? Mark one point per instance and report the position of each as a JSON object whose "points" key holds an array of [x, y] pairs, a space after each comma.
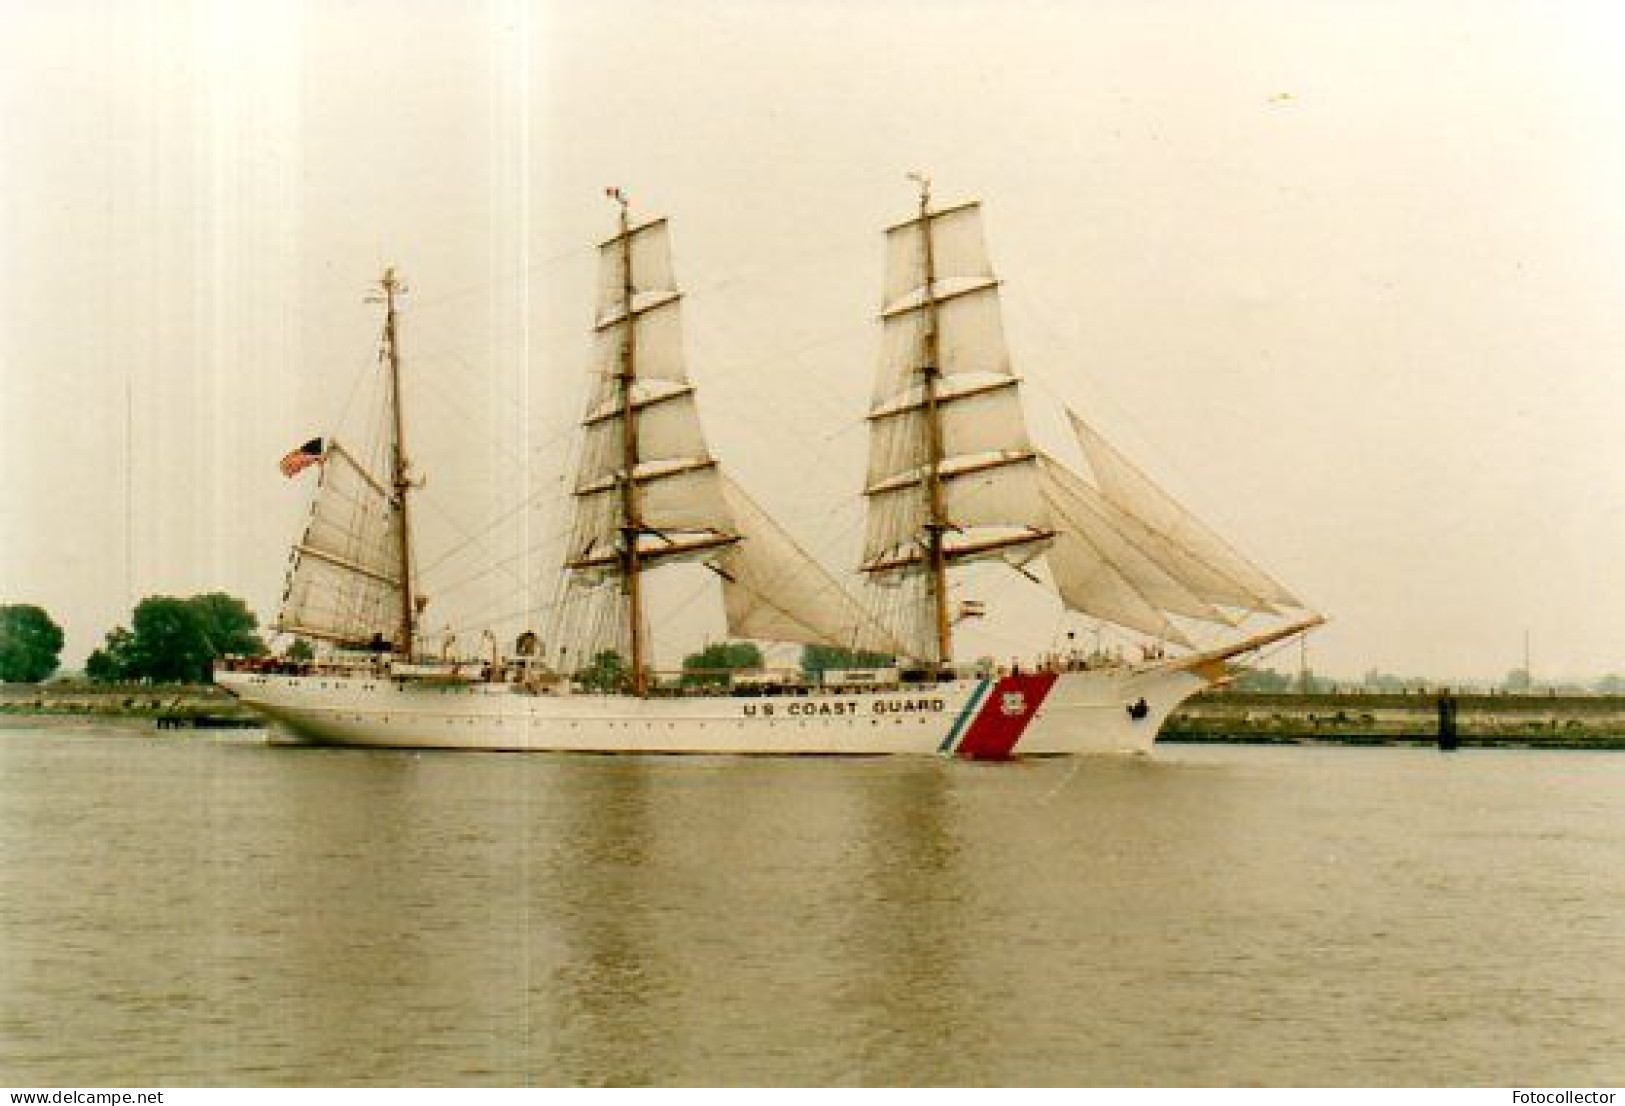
{"points": [[300, 459]]}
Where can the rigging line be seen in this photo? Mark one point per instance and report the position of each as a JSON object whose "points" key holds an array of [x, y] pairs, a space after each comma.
{"points": [[699, 589], [483, 621], [521, 273], [360, 373], [746, 275], [444, 514], [473, 537], [457, 410], [462, 411], [719, 370], [1039, 320], [446, 589], [556, 338]]}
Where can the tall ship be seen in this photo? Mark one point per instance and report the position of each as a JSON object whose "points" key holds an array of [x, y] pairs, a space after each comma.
{"points": [[953, 481]]}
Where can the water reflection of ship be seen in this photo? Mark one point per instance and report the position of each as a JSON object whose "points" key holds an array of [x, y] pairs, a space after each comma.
{"points": [[902, 983], [674, 903], [388, 884]]}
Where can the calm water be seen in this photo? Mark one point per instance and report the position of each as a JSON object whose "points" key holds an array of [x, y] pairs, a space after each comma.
{"points": [[189, 910]]}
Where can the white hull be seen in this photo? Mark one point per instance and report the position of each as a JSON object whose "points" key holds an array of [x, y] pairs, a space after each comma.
{"points": [[1104, 711]]}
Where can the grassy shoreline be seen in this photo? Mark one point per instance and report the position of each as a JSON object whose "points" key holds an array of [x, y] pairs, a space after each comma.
{"points": [[183, 702], [1515, 721]]}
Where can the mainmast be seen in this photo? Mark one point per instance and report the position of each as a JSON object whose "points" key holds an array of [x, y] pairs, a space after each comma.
{"points": [[399, 476], [952, 471], [930, 374], [631, 519]]}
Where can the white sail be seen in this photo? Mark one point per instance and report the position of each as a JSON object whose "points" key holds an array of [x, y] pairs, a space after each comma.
{"points": [[657, 334], [653, 278], [970, 341], [1129, 489], [680, 511], [958, 253], [1088, 583], [985, 419], [343, 581], [774, 591], [962, 404], [668, 429], [686, 509], [1094, 531], [993, 493]]}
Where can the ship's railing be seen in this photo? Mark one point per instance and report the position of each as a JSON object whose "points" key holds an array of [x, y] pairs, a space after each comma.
{"points": [[665, 683], [386, 666]]}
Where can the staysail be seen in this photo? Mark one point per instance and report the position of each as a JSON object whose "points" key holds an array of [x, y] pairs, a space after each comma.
{"points": [[1224, 575], [773, 590], [1128, 553]]}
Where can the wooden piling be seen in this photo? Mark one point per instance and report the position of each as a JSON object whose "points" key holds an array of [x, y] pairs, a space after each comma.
{"points": [[1447, 723]]}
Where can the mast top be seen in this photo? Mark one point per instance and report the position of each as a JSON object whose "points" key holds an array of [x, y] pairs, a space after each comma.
{"points": [[925, 188], [390, 286]]}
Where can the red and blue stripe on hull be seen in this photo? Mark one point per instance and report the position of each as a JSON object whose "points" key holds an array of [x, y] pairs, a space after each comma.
{"points": [[996, 715]]}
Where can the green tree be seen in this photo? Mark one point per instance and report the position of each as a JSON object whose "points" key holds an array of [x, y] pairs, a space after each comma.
{"points": [[713, 664], [227, 624], [607, 672], [171, 643], [113, 662], [300, 650], [176, 640], [1263, 680], [815, 659], [30, 644]]}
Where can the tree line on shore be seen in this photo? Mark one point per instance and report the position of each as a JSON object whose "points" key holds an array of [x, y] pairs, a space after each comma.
{"points": [[715, 665], [1267, 681], [173, 640], [169, 640]]}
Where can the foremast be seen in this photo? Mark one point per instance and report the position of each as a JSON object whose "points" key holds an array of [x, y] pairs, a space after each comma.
{"points": [[954, 477], [936, 525], [631, 522], [952, 473]]}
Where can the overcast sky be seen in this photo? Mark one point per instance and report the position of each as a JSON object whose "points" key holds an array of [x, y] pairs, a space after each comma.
{"points": [[1345, 276]]}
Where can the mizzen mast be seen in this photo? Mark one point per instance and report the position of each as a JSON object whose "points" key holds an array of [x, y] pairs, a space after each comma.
{"points": [[400, 478]]}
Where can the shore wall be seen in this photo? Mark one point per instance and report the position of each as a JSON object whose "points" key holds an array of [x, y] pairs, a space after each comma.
{"points": [[170, 701], [1547, 721]]}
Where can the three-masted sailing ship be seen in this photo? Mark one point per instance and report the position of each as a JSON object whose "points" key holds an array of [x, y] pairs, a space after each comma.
{"points": [[953, 480]]}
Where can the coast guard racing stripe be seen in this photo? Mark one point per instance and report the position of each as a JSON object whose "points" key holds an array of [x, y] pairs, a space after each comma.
{"points": [[998, 718]]}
